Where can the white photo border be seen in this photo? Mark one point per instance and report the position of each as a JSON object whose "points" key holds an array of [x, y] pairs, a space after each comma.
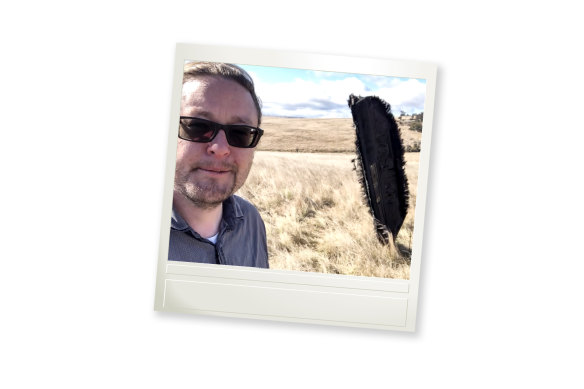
{"points": [[292, 296]]}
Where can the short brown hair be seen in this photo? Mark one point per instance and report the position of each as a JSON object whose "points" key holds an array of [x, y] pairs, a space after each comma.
{"points": [[225, 70]]}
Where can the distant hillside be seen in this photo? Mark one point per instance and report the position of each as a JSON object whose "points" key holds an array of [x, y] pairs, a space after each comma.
{"points": [[320, 135]]}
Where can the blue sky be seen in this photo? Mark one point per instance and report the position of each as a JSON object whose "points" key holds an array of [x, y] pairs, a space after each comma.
{"points": [[316, 94]]}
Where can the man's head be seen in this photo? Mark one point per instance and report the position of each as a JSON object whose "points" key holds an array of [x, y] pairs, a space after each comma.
{"points": [[193, 70], [207, 173]]}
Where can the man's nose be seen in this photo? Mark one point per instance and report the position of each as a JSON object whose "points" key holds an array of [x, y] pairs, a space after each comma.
{"points": [[219, 145]]}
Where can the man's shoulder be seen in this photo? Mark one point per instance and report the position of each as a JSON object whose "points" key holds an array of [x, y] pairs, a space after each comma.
{"points": [[247, 239], [247, 220]]}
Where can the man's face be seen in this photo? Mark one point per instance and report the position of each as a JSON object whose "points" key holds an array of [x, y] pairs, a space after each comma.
{"points": [[208, 173]]}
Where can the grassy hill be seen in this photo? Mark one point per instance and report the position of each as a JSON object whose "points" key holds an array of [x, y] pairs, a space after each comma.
{"points": [[320, 135]]}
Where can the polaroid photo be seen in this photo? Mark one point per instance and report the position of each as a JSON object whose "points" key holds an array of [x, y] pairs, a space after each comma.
{"points": [[295, 187]]}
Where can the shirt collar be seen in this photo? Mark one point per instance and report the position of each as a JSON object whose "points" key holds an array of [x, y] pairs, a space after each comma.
{"points": [[231, 212], [177, 222]]}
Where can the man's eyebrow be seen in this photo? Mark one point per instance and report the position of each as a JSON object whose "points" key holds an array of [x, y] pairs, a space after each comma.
{"points": [[202, 114], [245, 120], [235, 119]]}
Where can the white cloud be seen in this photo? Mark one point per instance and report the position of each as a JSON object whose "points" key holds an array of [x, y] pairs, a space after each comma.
{"points": [[324, 97], [406, 95]]}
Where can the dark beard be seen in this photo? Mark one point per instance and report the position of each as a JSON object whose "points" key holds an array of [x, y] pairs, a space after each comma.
{"points": [[204, 195]]}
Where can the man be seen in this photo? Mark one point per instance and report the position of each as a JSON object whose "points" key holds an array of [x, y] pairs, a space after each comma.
{"points": [[218, 133]]}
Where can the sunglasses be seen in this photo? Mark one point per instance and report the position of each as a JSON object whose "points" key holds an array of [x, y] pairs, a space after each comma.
{"points": [[204, 131]]}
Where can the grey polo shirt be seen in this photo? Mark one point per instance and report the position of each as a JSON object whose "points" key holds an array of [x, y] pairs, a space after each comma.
{"points": [[241, 240]]}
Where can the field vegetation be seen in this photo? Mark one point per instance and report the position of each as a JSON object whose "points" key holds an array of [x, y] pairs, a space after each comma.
{"points": [[322, 135], [304, 185]]}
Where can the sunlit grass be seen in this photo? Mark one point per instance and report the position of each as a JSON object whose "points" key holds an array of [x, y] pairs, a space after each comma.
{"points": [[316, 219]]}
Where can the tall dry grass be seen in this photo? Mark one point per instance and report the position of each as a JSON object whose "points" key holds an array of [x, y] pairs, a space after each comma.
{"points": [[316, 219]]}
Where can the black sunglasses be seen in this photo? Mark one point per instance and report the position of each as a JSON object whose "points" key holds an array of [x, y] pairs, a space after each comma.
{"points": [[204, 131]]}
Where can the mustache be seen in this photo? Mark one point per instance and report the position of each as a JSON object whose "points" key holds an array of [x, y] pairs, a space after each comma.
{"points": [[214, 166]]}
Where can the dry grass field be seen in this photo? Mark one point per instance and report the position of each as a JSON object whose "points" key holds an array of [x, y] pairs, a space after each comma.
{"points": [[312, 203], [320, 135]]}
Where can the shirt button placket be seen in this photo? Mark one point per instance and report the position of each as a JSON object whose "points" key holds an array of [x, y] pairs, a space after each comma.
{"points": [[219, 254]]}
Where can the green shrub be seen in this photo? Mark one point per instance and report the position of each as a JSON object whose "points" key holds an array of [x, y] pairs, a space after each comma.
{"points": [[416, 126], [414, 147]]}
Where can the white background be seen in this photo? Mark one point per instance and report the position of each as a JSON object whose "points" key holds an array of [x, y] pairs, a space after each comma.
{"points": [[85, 100]]}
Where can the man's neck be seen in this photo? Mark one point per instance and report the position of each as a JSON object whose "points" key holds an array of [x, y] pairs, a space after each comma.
{"points": [[205, 221]]}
